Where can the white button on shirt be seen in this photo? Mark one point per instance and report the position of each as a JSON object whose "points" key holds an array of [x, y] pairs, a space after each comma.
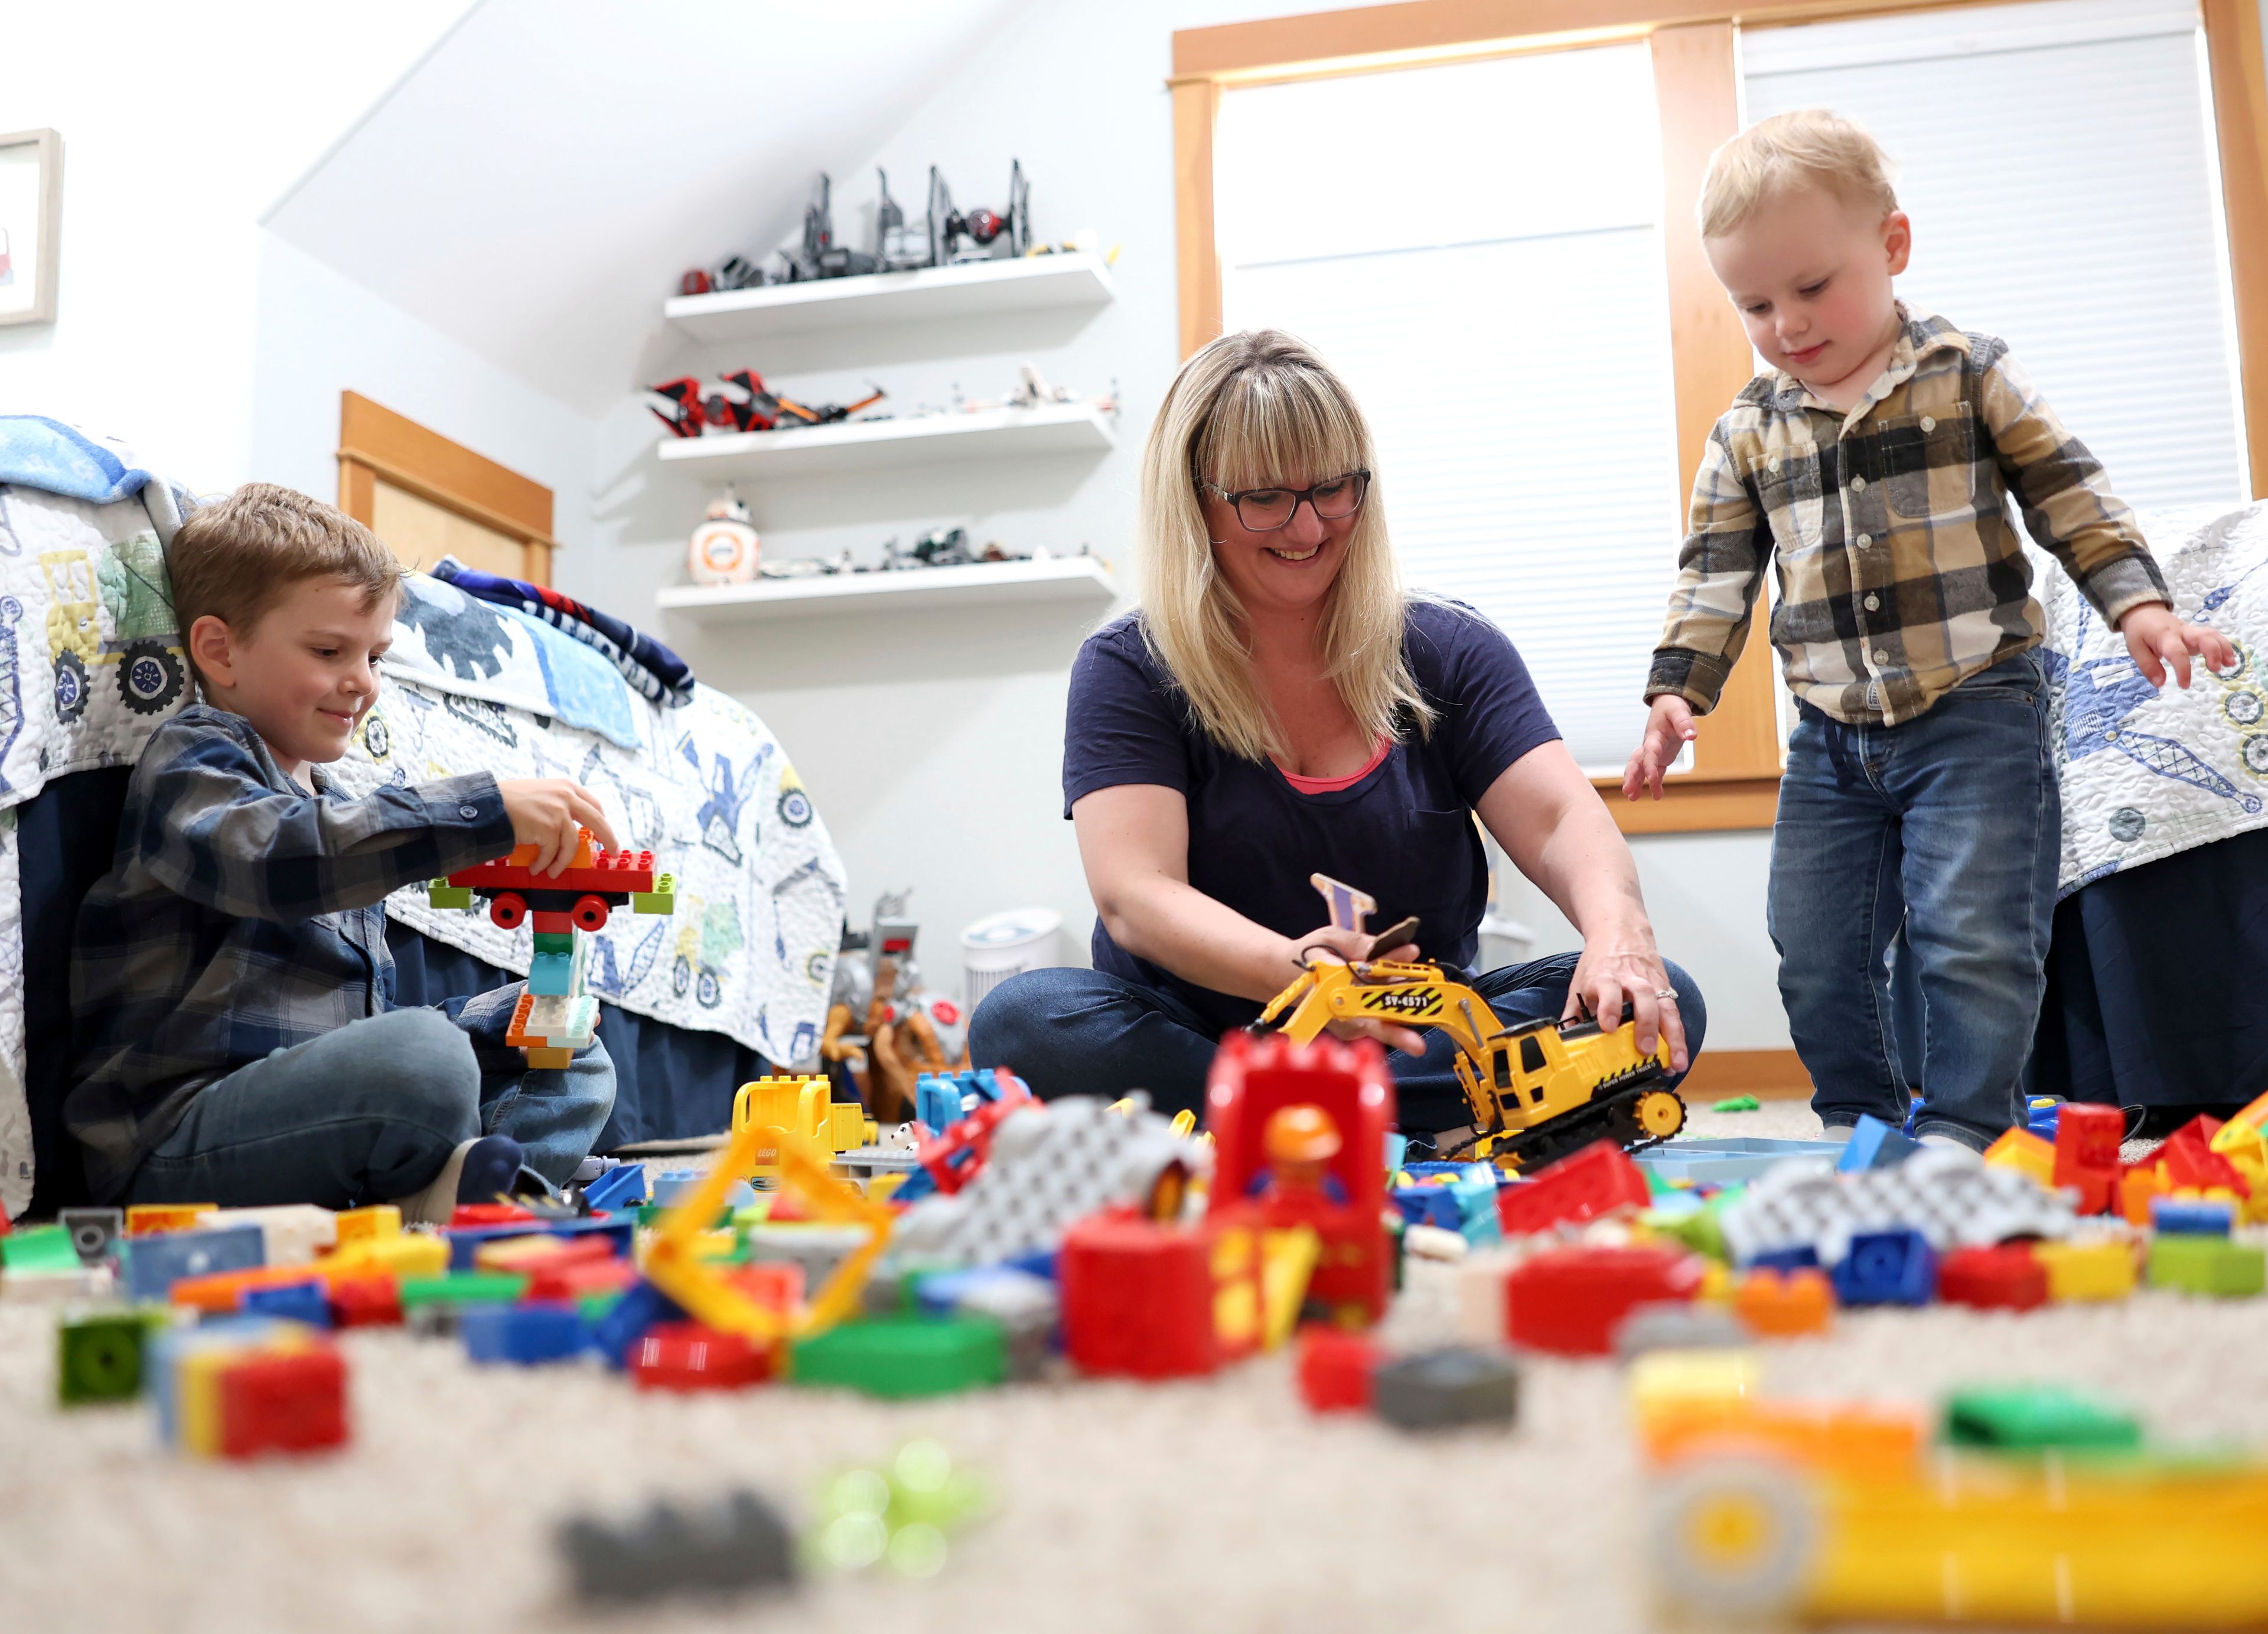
{"points": [[1873, 602], [1928, 424], [1857, 485], [1864, 539], [1881, 656]]}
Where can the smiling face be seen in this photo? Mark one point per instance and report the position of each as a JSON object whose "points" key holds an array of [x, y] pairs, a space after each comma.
{"points": [[305, 672], [1810, 273], [1286, 570]]}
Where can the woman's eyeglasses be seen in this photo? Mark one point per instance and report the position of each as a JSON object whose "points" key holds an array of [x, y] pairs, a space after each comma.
{"points": [[1264, 510]]}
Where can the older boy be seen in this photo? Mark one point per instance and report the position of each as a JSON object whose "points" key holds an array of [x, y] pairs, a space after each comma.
{"points": [[231, 985], [1874, 461]]}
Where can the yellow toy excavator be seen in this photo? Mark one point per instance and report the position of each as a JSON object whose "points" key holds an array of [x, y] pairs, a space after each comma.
{"points": [[1536, 1093]]}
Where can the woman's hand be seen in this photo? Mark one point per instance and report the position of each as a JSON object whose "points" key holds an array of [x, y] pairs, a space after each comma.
{"points": [[1605, 977], [1351, 946]]}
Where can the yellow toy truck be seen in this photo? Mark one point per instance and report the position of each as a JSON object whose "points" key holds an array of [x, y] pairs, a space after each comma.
{"points": [[1536, 1093]]}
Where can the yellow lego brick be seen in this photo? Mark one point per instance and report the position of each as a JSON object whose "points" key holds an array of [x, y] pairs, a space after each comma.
{"points": [[554, 1060], [196, 1400], [403, 1256], [148, 1219], [2244, 1133], [2027, 1153], [381, 1219], [784, 1102], [518, 1253], [2101, 1269], [1717, 1282], [1663, 1380], [846, 1125]]}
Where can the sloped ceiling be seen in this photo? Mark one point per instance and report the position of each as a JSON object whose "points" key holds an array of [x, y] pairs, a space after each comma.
{"points": [[536, 185]]}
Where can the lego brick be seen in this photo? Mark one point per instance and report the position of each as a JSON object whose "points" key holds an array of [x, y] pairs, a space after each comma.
{"points": [[92, 1233], [550, 973], [1737, 1103], [366, 1301], [1428, 1205], [442, 894], [149, 1220], [1138, 1298], [1029, 1309], [583, 1280], [1874, 1144], [741, 1543], [544, 1059], [540, 1250], [154, 1264], [2007, 1278], [1447, 1390], [99, 1358], [1781, 1304], [462, 1288], [2086, 1145], [224, 1291], [294, 1234], [2136, 1187], [1722, 1161], [846, 1125], [1894, 1267], [1803, 1256], [294, 1402], [903, 1356], [380, 1220], [38, 1250], [2088, 1270], [465, 1241], [1334, 1368], [554, 941], [299, 1302], [687, 1356], [411, 1254], [526, 1335], [2209, 1265], [2020, 1150], [1678, 1325], [1663, 1383], [2034, 1417], [2185, 1216], [615, 1334], [1570, 1300], [2188, 1160], [623, 1187], [1583, 1185]]}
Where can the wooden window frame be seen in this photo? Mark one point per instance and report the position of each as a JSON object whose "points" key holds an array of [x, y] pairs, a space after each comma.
{"points": [[1735, 782], [375, 443]]}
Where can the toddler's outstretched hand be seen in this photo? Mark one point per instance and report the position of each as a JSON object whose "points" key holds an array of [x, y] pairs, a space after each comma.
{"points": [[1668, 729], [2158, 640], [545, 812]]}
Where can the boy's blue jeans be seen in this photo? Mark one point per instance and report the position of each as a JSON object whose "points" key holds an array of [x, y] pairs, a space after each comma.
{"points": [[1073, 1032], [370, 1112], [1951, 823]]}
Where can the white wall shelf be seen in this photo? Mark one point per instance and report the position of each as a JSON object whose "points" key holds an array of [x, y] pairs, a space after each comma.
{"points": [[974, 584], [856, 445], [926, 295]]}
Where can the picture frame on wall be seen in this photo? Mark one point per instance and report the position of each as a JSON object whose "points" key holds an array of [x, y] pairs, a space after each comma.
{"points": [[31, 224]]}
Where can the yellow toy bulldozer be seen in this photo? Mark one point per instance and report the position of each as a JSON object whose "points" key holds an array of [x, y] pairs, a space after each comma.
{"points": [[1536, 1094]]}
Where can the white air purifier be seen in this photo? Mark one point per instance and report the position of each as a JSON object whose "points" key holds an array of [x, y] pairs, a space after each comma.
{"points": [[1000, 945]]}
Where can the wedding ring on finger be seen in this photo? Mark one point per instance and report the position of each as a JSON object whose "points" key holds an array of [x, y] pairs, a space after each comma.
{"points": [[1667, 995]]}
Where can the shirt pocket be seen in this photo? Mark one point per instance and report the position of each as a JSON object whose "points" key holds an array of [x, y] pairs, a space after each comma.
{"points": [[1930, 462], [1788, 489]]}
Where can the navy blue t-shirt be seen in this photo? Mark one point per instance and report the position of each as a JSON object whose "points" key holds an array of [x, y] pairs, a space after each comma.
{"points": [[1403, 833]]}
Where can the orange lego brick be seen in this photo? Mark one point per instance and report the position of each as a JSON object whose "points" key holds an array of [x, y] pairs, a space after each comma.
{"points": [[1781, 1304], [516, 1034], [149, 1220]]}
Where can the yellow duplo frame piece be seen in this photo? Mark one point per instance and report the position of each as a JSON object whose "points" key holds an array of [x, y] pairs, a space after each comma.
{"points": [[674, 1261]]}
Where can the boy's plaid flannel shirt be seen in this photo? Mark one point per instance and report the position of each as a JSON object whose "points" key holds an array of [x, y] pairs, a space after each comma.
{"points": [[240, 916], [1900, 573]]}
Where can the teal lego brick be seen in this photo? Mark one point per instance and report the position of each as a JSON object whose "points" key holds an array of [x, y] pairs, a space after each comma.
{"points": [[551, 975]]}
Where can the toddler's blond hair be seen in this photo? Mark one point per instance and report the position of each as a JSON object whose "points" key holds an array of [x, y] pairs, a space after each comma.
{"points": [[1810, 145]]}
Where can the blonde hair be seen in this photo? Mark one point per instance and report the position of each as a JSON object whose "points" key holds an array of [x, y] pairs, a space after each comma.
{"points": [[1252, 410], [235, 556], [1810, 145]]}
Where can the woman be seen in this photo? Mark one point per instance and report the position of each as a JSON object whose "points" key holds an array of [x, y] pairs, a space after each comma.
{"points": [[1279, 708]]}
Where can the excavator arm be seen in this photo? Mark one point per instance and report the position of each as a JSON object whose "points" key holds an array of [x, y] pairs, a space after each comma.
{"points": [[1404, 995]]}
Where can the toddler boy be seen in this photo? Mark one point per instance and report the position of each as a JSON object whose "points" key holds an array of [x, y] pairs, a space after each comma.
{"points": [[1874, 462], [231, 990]]}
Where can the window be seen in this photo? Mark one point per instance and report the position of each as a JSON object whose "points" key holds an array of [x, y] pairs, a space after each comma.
{"points": [[1504, 322]]}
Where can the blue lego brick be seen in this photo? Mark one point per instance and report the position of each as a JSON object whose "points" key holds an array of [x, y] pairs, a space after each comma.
{"points": [[167, 1345], [464, 1242], [1800, 1257], [1474, 1189], [939, 1293], [154, 1264], [1397, 1149], [551, 975], [1874, 1144], [620, 1188], [524, 1334], [302, 1302], [1720, 1162], [1896, 1267], [1038, 1263], [617, 1333], [1430, 1205], [2042, 1114], [668, 1186], [2185, 1217]]}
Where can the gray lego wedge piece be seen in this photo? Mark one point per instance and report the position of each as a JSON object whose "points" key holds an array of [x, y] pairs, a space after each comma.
{"points": [[1680, 1325], [738, 1542], [1446, 1389]]}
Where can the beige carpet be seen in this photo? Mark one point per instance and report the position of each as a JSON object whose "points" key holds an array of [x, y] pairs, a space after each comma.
{"points": [[1218, 1505]]}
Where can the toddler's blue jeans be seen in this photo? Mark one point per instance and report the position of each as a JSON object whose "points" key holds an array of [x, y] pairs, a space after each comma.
{"points": [[1952, 823], [370, 1112]]}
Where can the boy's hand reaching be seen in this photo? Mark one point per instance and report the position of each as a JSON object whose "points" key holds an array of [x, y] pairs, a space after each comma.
{"points": [[2158, 640], [545, 812], [1668, 729]]}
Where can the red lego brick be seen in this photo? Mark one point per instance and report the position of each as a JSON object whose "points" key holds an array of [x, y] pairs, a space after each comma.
{"points": [[776, 1284], [1137, 1297], [687, 1356], [474, 1214], [579, 1279], [2087, 1143], [1570, 1301], [365, 1302], [1580, 1186], [1335, 1369], [2190, 1160], [294, 1402], [549, 923], [2007, 1278]]}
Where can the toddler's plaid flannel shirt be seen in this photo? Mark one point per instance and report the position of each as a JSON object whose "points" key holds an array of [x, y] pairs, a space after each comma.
{"points": [[1900, 573], [242, 915]]}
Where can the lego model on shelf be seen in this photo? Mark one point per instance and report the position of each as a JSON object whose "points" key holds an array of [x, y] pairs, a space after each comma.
{"points": [[555, 1017], [842, 449], [1082, 578], [1535, 1093]]}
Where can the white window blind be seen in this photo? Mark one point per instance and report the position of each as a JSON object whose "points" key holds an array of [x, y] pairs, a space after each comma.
{"points": [[1477, 250], [2058, 159]]}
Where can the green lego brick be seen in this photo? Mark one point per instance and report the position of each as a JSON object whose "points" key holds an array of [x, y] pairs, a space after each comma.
{"points": [[463, 1288], [99, 1358], [441, 894], [903, 1355], [2033, 1417], [653, 902], [1737, 1103], [1696, 1228], [40, 1248], [554, 941], [2213, 1265]]}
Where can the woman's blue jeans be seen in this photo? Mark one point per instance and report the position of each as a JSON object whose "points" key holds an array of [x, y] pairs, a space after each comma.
{"points": [[1952, 824], [1072, 1032]]}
